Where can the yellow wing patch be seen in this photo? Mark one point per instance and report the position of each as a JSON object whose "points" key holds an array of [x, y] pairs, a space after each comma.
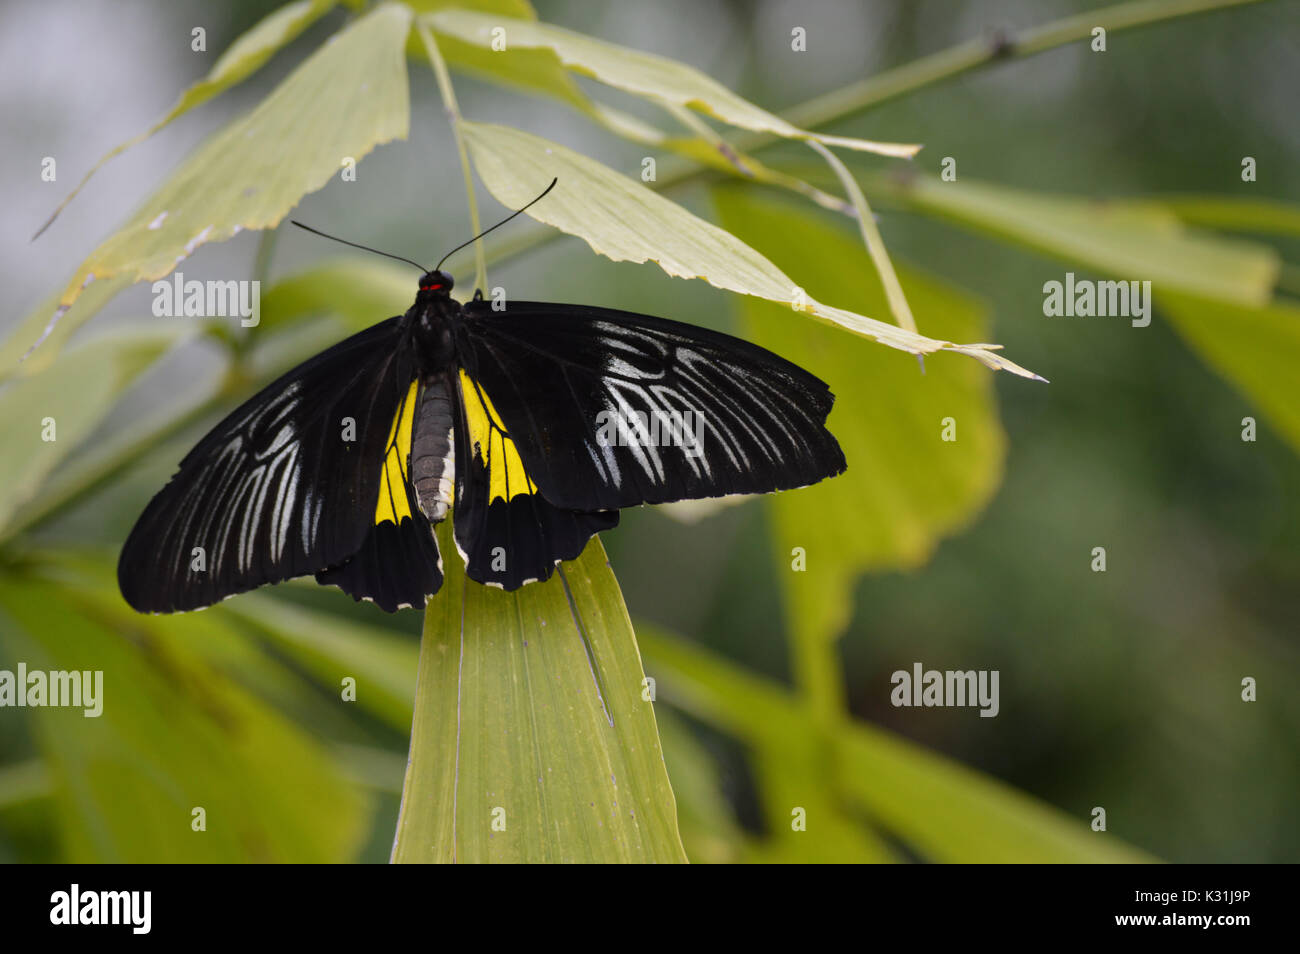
{"points": [[393, 504], [507, 478]]}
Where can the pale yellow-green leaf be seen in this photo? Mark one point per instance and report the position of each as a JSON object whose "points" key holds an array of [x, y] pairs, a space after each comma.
{"points": [[905, 487], [1130, 240], [1256, 349], [49, 320], [538, 70], [347, 98], [943, 810], [530, 70], [623, 220], [244, 57], [531, 739], [642, 74], [65, 403], [174, 735]]}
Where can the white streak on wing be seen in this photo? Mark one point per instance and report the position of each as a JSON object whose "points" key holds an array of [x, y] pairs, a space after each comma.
{"points": [[647, 457], [284, 499], [308, 526], [257, 483]]}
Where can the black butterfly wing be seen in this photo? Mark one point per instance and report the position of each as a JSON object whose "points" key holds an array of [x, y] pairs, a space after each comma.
{"points": [[397, 564], [276, 490], [733, 418], [507, 533]]}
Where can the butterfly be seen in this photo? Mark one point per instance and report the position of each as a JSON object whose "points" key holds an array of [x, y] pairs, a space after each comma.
{"points": [[528, 424]]}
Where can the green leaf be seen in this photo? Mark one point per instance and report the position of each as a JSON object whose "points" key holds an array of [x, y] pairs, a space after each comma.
{"points": [[529, 714], [72, 397], [43, 324], [244, 57], [944, 811], [347, 98], [625, 221], [905, 487], [173, 736], [332, 647], [1127, 239], [951, 813], [1255, 349], [642, 74]]}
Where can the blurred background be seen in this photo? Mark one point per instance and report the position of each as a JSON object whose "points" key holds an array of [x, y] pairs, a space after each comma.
{"points": [[1119, 689]]}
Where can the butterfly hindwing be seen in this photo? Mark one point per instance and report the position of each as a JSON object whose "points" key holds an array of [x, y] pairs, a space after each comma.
{"points": [[507, 532], [397, 564], [284, 486], [716, 415]]}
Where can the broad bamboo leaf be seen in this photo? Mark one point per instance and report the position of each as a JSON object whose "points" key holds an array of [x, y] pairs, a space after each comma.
{"points": [[348, 97], [944, 811], [538, 70], [529, 70], [532, 740], [43, 418], [642, 74], [625, 221], [43, 323], [905, 486], [244, 57], [173, 736]]}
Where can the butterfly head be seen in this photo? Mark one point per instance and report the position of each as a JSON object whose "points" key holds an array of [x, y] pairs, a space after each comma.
{"points": [[437, 283]]}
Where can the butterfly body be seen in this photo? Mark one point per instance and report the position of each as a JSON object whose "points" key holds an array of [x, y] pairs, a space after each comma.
{"points": [[497, 418]]}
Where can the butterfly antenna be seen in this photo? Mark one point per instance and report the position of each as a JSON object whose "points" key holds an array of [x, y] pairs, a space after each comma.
{"points": [[498, 225], [355, 245]]}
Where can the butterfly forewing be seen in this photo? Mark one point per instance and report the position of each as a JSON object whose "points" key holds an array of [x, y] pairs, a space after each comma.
{"points": [[610, 409], [286, 485]]}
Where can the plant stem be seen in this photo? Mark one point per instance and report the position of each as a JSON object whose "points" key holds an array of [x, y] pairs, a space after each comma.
{"points": [[453, 113], [872, 239]]}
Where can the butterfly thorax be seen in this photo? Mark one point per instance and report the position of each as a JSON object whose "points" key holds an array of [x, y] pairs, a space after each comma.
{"points": [[431, 319]]}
